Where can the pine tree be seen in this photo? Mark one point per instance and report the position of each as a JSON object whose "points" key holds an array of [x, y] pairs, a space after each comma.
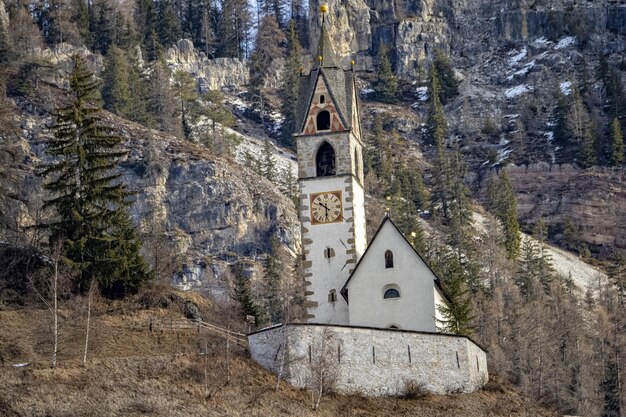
{"points": [[268, 165], [185, 90], [617, 143], [459, 210], [138, 85], [613, 89], [437, 126], [146, 20], [233, 29], [290, 87], [457, 311], [116, 88], [80, 17], [274, 302], [559, 119], [168, 26], [161, 101], [503, 205], [386, 86], [267, 51], [445, 73], [103, 27], [527, 274], [242, 292], [88, 197]]}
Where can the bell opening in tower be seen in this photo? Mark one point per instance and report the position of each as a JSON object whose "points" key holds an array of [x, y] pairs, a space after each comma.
{"points": [[325, 160], [323, 120]]}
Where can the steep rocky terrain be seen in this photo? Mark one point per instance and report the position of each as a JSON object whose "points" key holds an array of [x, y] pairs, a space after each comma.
{"points": [[510, 58], [213, 210]]}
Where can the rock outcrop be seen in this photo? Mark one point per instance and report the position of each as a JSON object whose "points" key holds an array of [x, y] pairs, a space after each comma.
{"points": [[212, 74], [215, 211], [592, 201]]}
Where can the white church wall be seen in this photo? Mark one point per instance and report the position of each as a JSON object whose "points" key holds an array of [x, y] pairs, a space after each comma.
{"points": [[415, 309], [324, 274], [377, 362]]}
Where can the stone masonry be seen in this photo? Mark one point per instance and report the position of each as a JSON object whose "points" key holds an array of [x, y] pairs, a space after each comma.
{"points": [[373, 362]]}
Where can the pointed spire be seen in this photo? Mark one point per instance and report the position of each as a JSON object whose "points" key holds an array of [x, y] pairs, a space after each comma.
{"points": [[325, 56]]}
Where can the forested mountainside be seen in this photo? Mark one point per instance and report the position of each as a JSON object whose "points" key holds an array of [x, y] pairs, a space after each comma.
{"points": [[481, 119]]}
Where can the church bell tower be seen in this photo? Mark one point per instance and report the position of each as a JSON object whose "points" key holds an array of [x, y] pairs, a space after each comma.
{"points": [[330, 171]]}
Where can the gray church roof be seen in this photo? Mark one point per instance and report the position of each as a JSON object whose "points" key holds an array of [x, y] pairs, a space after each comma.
{"points": [[340, 83]]}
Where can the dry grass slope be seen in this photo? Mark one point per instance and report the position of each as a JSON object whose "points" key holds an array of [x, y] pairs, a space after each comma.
{"points": [[134, 371]]}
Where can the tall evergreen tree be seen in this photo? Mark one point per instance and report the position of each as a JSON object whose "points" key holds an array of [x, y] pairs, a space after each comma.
{"points": [[613, 89], [90, 201], [274, 302], [242, 292], [457, 311], [617, 143], [267, 51], [161, 100], [168, 26], [448, 82], [104, 26], [502, 203], [386, 86], [186, 92], [437, 127], [290, 87], [145, 15], [115, 87], [234, 29], [268, 165]]}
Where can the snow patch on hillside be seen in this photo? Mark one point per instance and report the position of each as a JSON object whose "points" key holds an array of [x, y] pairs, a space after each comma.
{"points": [[566, 87], [517, 91], [517, 57], [566, 42]]}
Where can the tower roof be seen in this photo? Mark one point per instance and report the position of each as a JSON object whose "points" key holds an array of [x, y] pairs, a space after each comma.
{"points": [[340, 82], [325, 57]]}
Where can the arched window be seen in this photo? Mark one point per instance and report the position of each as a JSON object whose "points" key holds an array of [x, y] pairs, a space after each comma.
{"points": [[325, 160], [356, 162], [388, 259], [323, 120], [322, 99], [391, 293]]}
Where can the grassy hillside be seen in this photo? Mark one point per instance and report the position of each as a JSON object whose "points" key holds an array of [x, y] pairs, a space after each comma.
{"points": [[133, 370]]}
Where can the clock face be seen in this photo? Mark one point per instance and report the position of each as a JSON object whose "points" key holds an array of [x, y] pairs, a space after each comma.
{"points": [[326, 207]]}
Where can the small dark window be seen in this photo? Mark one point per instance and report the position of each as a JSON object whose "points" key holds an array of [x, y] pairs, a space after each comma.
{"points": [[332, 296], [393, 327], [325, 160], [329, 253], [322, 99], [389, 259], [323, 120], [391, 293]]}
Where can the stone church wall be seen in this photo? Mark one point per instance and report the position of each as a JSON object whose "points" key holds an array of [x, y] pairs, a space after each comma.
{"points": [[374, 362]]}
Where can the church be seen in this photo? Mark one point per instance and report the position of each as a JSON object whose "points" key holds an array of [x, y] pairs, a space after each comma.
{"points": [[378, 303]]}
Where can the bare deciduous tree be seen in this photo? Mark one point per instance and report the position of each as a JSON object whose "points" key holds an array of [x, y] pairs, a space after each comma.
{"points": [[323, 364], [49, 285]]}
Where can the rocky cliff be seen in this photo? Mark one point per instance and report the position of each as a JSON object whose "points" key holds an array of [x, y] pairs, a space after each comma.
{"points": [[511, 57], [214, 211]]}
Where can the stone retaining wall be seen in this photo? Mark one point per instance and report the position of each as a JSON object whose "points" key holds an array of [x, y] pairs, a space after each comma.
{"points": [[374, 362]]}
